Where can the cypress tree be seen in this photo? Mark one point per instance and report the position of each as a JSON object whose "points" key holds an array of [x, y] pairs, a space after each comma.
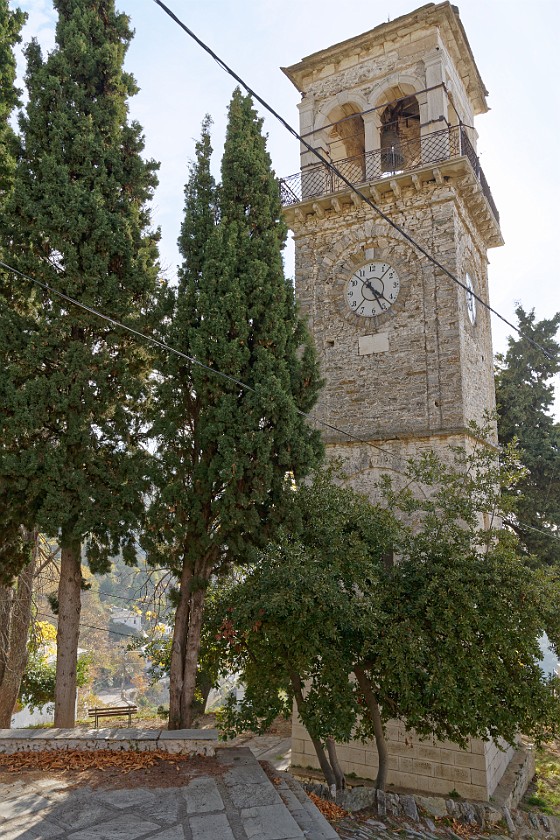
{"points": [[71, 383], [16, 555], [11, 23], [224, 450], [14, 550], [524, 399]]}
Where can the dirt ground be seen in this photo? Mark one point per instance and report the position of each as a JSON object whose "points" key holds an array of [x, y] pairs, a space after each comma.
{"points": [[107, 768], [113, 769]]}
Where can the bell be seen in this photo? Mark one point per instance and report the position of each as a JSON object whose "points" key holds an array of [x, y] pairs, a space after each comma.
{"points": [[392, 158]]}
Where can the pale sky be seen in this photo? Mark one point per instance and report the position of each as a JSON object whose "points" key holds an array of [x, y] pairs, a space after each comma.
{"points": [[515, 45]]}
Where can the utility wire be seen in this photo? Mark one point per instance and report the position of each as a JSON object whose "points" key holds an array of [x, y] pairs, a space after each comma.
{"points": [[93, 627], [113, 321], [167, 347], [344, 179], [523, 525]]}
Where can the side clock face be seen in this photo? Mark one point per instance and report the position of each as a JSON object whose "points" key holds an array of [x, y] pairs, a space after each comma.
{"points": [[372, 289], [471, 300]]}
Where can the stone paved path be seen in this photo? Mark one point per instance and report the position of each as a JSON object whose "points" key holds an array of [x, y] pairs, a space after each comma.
{"points": [[241, 804]]}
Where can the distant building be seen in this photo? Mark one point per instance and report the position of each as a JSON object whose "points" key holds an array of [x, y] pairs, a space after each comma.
{"points": [[120, 615]]}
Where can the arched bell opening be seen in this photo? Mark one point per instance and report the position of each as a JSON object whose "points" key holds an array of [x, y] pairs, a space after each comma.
{"points": [[400, 135], [346, 139]]}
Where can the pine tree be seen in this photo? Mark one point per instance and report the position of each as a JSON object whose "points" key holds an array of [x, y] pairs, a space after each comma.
{"points": [[70, 383], [524, 397], [224, 450]]}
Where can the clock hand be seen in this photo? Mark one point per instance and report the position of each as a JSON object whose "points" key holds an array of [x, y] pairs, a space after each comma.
{"points": [[383, 284], [379, 295]]}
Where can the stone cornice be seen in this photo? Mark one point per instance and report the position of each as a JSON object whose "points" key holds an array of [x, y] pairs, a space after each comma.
{"points": [[443, 16], [456, 173]]}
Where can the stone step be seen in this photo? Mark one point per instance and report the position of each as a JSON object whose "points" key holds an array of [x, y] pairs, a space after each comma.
{"points": [[239, 801]]}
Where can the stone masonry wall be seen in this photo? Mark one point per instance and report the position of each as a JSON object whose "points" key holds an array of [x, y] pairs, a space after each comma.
{"points": [[410, 379], [430, 369], [434, 767]]}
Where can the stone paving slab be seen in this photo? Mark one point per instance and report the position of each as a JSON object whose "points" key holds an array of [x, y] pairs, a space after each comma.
{"points": [[25, 803], [241, 804], [202, 795], [78, 815], [123, 827], [270, 822], [175, 833], [211, 827]]}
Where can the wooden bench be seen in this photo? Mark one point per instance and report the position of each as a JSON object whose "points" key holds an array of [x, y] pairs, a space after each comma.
{"points": [[113, 711]]}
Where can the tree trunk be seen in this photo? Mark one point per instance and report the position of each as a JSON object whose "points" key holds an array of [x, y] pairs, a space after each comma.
{"points": [[6, 598], [192, 650], [15, 618], [69, 608], [372, 707], [324, 764], [204, 685], [333, 759], [180, 630]]}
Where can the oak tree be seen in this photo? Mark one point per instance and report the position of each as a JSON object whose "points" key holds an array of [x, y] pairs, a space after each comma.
{"points": [[442, 631]]}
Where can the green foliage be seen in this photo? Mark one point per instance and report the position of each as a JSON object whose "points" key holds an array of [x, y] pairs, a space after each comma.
{"points": [[224, 451], [14, 549], [38, 683], [524, 397], [294, 616], [439, 612], [71, 385], [546, 785], [11, 23]]}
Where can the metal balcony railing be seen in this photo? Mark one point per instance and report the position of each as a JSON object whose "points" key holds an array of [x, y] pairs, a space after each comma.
{"points": [[318, 180]]}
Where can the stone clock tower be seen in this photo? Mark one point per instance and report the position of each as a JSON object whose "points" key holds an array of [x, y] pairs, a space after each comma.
{"points": [[406, 352]]}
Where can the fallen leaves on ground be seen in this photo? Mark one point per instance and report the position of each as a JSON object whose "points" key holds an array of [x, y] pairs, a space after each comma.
{"points": [[329, 810], [122, 761], [464, 830], [458, 828]]}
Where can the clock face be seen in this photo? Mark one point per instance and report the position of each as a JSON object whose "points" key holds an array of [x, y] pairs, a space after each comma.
{"points": [[372, 289], [471, 300]]}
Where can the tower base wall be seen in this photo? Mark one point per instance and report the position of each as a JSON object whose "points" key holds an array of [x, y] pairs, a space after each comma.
{"points": [[426, 766]]}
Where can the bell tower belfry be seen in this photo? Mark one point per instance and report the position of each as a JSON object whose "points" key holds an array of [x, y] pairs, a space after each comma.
{"points": [[405, 351]]}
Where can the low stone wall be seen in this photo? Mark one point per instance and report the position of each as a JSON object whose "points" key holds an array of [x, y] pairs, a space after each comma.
{"points": [[434, 767], [178, 741], [431, 814]]}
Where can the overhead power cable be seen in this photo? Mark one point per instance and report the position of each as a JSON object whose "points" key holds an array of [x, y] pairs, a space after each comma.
{"points": [[331, 166], [523, 525], [115, 323], [93, 627], [167, 347]]}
